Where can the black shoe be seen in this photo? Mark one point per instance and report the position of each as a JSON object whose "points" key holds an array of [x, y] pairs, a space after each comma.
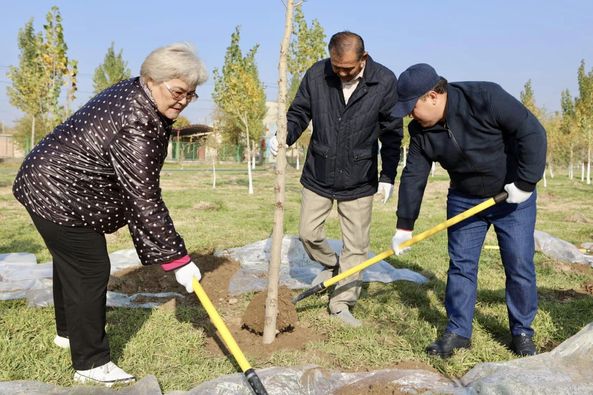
{"points": [[523, 346], [446, 344]]}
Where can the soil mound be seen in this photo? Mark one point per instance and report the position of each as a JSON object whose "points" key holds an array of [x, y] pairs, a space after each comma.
{"points": [[254, 316]]}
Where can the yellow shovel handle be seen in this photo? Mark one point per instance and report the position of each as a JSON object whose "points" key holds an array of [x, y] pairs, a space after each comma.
{"points": [[419, 237], [228, 339]]}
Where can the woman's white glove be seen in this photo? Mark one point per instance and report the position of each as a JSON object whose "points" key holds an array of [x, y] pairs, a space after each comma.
{"points": [[185, 275], [400, 236], [515, 194], [274, 145], [386, 189]]}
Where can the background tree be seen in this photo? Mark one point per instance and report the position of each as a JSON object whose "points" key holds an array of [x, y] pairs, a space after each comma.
{"points": [[38, 80], [307, 46], [55, 59], [528, 99], [73, 82], [239, 94], [552, 124], [113, 70], [584, 112], [28, 81], [568, 130], [181, 122]]}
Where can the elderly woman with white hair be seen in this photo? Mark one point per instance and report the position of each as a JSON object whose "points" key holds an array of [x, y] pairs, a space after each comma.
{"points": [[95, 173]]}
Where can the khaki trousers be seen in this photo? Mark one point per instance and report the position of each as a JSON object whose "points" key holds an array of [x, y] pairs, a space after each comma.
{"points": [[355, 223]]}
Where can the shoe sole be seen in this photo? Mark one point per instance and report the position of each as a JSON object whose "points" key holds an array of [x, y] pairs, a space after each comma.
{"points": [[86, 380], [446, 355]]}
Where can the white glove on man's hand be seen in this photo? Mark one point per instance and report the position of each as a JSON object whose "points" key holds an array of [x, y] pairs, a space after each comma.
{"points": [[185, 275], [274, 145], [400, 237], [386, 189], [515, 194]]}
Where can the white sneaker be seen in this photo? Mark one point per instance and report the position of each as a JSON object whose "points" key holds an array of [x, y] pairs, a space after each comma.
{"points": [[62, 342], [107, 375]]}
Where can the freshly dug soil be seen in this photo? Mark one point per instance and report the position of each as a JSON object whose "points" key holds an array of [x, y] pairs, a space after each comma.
{"points": [[216, 275], [254, 316]]}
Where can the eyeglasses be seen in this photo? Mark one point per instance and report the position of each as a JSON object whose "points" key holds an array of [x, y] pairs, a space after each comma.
{"points": [[180, 95]]}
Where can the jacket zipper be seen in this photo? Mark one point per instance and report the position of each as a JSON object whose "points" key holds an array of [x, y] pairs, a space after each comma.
{"points": [[452, 137]]}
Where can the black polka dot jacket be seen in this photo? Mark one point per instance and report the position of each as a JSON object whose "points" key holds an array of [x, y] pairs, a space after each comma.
{"points": [[100, 169]]}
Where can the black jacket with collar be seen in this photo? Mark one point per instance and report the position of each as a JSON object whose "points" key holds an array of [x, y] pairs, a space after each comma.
{"points": [[342, 156], [489, 139]]}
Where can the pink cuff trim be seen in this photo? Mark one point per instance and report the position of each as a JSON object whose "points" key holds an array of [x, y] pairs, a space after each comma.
{"points": [[177, 263]]}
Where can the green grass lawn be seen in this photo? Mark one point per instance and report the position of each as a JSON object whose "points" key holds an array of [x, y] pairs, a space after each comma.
{"points": [[400, 319]]}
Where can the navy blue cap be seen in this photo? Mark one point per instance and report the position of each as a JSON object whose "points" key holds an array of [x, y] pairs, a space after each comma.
{"points": [[414, 82]]}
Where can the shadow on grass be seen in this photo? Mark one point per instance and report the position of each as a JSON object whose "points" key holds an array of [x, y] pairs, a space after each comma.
{"points": [[22, 245], [569, 310], [123, 324]]}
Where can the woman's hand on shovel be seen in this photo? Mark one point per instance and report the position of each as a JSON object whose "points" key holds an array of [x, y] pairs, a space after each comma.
{"points": [[185, 275]]}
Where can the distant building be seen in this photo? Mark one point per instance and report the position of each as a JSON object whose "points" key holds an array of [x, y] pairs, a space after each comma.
{"points": [[8, 147], [188, 143]]}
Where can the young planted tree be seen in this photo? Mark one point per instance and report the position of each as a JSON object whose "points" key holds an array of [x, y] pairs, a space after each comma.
{"points": [[38, 80], [113, 70], [278, 230], [239, 94]]}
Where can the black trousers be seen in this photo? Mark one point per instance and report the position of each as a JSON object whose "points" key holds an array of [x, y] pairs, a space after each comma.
{"points": [[80, 275]]}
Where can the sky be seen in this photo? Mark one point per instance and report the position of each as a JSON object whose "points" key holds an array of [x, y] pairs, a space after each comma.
{"points": [[508, 42]]}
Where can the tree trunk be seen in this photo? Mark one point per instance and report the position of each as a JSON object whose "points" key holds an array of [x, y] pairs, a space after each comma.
{"points": [[545, 179], [571, 175], [278, 229], [432, 169], [582, 171], [248, 151], [213, 172], [32, 133], [551, 170], [589, 165]]}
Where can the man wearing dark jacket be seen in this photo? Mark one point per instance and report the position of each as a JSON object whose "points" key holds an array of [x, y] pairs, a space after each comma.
{"points": [[488, 142], [349, 98]]}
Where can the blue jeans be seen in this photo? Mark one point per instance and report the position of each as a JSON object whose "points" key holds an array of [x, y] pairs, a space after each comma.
{"points": [[514, 225]]}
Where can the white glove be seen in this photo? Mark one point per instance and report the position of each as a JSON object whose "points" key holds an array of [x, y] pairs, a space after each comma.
{"points": [[515, 194], [185, 275], [386, 189], [400, 237], [274, 145]]}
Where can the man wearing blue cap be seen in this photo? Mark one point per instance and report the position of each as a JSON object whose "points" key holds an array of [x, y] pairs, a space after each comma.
{"points": [[488, 142]]}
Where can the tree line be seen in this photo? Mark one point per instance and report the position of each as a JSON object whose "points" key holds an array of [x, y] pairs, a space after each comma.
{"points": [[570, 130], [45, 74]]}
